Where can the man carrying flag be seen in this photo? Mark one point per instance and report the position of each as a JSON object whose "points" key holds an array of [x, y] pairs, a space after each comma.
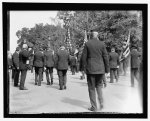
{"points": [[125, 53]]}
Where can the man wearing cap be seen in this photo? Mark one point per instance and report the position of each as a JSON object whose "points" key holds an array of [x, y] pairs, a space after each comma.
{"points": [[96, 63], [114, 64], [62, 60], [23, 64], [49, 64], [15, 59], [38, 63]]}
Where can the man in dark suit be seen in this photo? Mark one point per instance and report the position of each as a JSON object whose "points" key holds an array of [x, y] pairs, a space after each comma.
{"points": [[23, 64], [73, 62], [15, 59], [49, 64], [38, 64], [62, 60], [114, 65], [9, 64], [31, 61], [135, 55], [95, 60]]}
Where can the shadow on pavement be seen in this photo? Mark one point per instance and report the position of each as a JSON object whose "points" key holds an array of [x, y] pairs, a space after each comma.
{"points": [[81, 83], [75, 102]]}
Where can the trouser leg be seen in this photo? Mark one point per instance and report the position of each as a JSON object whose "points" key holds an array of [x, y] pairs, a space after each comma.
{"points": [[111, 75], [40, 75], [16, 77], [99, 84], [51, 74], [23, 77], [36, 75], [47, 75], [60, 74], [64, 78], [132, 77], [115, 74], [12, 76], [91, 89]]}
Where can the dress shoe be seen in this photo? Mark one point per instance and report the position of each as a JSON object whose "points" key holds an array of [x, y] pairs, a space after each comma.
{"points": [[65, 87], [92, 109], [51, 82], [35, 83], [23, 88], [60, 88], [48, 83], [39, 84]]}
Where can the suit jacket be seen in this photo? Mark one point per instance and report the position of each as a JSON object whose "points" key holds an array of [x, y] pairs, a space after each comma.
{"points": [[15, 59], [135, 60], [23, 57], [113, 60], [95, 57], [73, 60], [62, 59], [49, 58], [38, 59]]}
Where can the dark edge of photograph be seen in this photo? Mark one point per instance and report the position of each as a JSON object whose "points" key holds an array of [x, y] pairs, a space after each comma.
{"points": [[10, 6]]}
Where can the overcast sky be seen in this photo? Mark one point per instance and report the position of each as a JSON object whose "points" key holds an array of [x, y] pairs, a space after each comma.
{"points": [[20, 19]]}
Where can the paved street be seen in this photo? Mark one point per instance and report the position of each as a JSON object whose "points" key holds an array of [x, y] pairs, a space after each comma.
{"points": [[118, 97]]}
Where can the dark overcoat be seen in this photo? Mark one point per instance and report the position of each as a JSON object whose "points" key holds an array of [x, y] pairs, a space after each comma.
{"points": [[95, 57], [113, 60], [73, 60], [23, 57], [62, 59], [38, 59], [135, 60], [15, 60], [49, 59]]}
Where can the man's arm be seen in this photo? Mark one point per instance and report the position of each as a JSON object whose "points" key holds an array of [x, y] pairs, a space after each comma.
{"points": [[105, 58]]}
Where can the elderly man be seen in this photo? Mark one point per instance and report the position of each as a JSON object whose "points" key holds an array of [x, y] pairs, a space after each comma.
{"points": [[135, 64], [114, 64], [38, 64], [49, 64], [15, 59], [96, 63], [23, 64], [62, 60]]}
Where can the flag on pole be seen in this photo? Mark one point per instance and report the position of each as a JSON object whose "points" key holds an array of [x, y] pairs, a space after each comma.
{"points": [[126, 49], [85, 37]]}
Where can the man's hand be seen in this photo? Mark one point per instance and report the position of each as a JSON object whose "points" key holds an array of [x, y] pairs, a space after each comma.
{"points": [[117, 66], [17, 68]]}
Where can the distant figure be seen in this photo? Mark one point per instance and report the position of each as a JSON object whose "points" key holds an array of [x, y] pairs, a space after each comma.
{"points": [[49, 63], [62, 60], [73, 62], [95, 60], [135, 63], [114, 65], [23, 64], [31, 58], [81, 66], [9, 64], [15, 59], [38, 63]]}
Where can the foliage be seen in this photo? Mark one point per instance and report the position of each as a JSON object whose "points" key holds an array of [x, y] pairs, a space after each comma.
{"points": [[42, 36]]}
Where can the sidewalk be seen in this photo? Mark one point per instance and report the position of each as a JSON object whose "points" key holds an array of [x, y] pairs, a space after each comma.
{"points": [[118, 97]]}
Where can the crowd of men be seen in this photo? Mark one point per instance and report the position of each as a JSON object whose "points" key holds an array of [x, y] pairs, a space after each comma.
{"points": [[92, 60]]}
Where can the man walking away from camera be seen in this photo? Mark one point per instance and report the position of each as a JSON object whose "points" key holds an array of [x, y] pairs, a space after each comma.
{"points": [[95, 60]]}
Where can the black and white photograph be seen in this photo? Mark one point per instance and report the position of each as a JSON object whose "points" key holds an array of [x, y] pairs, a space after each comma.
{"points": [[75, 61]]}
